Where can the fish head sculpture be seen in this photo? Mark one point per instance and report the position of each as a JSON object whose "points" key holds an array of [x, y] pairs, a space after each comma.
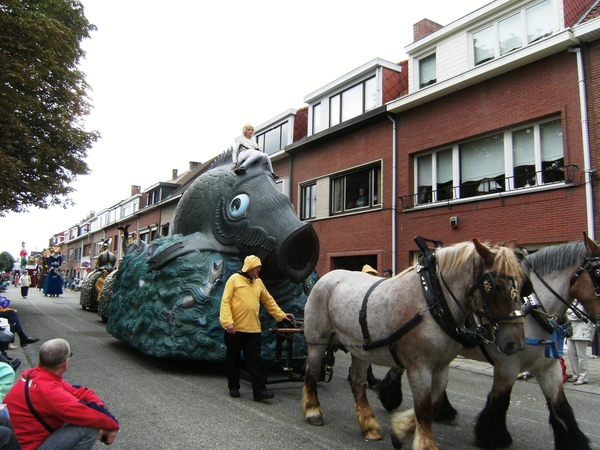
{"points": [[247, 214]]}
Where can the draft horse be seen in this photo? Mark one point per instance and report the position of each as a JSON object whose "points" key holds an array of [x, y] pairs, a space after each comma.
{"points": [[351, 310], [559, 274]]}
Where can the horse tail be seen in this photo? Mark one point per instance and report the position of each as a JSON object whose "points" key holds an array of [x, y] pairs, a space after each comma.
{"points": [[389, 390], [567, 435]]}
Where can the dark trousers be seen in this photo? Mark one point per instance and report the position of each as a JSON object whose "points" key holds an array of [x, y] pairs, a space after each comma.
{"points": [[13, 317], [250, 344], [24, 291], [8, 440]]}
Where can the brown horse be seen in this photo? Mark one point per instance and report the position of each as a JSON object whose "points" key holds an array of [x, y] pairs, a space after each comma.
{"points": [[475, 278]]}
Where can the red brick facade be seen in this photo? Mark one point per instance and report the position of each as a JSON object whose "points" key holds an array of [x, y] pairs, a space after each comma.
{"points": [[542, 89]]}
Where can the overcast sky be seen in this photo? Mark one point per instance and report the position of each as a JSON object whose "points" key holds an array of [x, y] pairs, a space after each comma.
{"points": [[174, 82]]}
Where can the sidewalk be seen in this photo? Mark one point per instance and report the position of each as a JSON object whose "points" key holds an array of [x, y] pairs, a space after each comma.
{"points": [[29, 354], [484, 368]]}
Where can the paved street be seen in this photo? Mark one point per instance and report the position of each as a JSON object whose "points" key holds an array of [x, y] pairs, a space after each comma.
{"points": [[174, 404]]}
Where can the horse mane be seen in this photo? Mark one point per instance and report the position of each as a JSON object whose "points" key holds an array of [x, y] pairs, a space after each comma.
{"points": [[454, 256], [557, 257]]}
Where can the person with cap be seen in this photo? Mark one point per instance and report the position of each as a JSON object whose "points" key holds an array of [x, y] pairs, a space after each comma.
{"points": [[368, 269], [246, 152], [49, 413], [242, 296]]}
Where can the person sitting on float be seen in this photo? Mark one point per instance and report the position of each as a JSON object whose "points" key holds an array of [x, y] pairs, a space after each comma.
{"points": [[246, 152]]}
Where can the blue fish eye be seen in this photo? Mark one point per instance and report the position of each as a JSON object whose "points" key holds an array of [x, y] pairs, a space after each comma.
{"points": [[239, 205]]}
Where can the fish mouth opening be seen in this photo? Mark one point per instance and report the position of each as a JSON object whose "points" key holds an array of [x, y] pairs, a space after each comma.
{"points": [[299, 254]]}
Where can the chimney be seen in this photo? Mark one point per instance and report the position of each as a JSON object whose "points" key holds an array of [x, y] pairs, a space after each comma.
{"points": [[424, 28], [135, 190], [173, 174], [194, 164]]}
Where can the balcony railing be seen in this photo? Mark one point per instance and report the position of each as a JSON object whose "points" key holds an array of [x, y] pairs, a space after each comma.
{"points": [[499, 185]]}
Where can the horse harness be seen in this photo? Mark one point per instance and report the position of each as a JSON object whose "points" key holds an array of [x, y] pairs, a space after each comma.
{"points": [[550, 324], [438, 306]]}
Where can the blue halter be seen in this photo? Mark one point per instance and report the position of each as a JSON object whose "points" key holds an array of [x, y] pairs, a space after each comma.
{"points": [[554, 346]]}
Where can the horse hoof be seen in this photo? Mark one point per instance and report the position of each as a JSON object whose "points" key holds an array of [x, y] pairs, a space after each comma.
{"points": [[316, 421], [372, 435], [397, 443]]}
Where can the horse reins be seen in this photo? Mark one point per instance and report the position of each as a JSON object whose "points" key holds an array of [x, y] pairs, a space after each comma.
{"points": [[583, 315]]}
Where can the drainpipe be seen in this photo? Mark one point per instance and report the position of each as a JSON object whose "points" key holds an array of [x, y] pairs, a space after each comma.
{"points": [[394, 196], [589, 198]]}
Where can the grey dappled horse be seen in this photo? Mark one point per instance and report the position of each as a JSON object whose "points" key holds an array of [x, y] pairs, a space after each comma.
{"points": [[331, 319], [559, 274]]}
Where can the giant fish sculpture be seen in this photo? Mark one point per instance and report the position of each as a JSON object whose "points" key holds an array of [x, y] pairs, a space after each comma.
{"points": [[165, 298]]}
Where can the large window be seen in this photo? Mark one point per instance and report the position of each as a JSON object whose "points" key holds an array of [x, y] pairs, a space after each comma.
{"points": [[427, 71], [274, 139], [352, 102], [356, 190], [309, 201], [510, 33], [518, 158]]}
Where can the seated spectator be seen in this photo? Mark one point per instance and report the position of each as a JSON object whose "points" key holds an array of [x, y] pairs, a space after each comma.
{"points": [[58, 415], [13, 318], [8, 439]]}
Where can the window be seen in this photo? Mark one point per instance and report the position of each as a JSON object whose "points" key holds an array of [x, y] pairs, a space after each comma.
{"points": [[427, 71], [316, 119], [274, 139], [482, 165], [309, 202], [352, 102], [513, 159], [483, 41], [356, 191], [539, 21], [508, 34], [87, 250]]}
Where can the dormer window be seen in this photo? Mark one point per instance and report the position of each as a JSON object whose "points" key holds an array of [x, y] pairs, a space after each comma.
{"points": [[274, 139], [508, 34], [353, 102], [427, 71]]}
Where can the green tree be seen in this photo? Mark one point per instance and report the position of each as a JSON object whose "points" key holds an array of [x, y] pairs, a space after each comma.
{"points": [[7, 262], [43, 99]]}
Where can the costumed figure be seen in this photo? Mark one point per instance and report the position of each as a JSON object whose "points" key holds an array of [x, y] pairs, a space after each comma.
{"points": [[53, 286], [106, 261], [43, 268]]}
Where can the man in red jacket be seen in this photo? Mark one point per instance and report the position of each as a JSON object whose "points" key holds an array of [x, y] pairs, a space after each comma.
{"points": [[47, 412]]}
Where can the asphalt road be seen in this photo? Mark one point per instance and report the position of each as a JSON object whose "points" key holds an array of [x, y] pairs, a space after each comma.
{"points": [[174, 404]]}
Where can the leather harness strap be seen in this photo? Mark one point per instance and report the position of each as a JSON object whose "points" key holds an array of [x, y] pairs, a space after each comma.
{"points": [[392, 338], [362, 314]]}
